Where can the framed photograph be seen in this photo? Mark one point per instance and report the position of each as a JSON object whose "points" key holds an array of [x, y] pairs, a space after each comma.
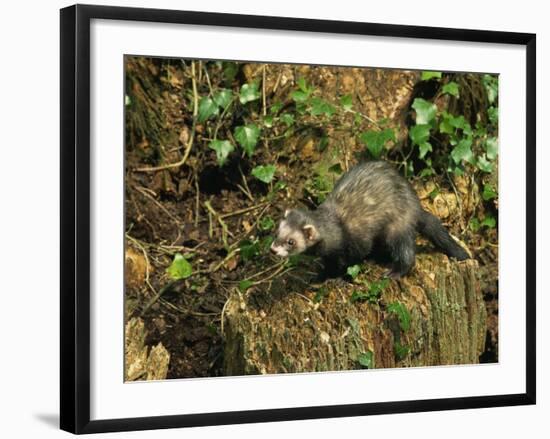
{"points": [[268, 218]]}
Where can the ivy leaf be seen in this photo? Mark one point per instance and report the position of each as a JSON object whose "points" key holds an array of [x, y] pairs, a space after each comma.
{"points": [[449, 124], [287, 119], [248, 250], [451, 88], [491, 146], [299, 96], [223, 148], [402, 314], [268, 121], [180, 268], [353, 271], [264, 173], [484, 165], [320, 106], [207, 109], [425, 111], [247, 136], [245, 285], [366, 359], [276, 107], [488, 192], [401, 351], [223, 98], [424, 147], [491, 87], [375, 140], [492, 112], [302, 85], [489, 222], [427, 75], [419, 134], [267, 223], [462, 151], [346, 102], [249, 93], [230, 70]]}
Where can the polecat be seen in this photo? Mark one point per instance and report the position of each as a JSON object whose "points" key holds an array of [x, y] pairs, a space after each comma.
{"points": [[370, 204]]}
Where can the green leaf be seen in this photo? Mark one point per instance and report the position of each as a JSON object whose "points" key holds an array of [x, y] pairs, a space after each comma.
{"points": [[287, 119], [484, 165], [451, 88], [230, 70], [491, 86], [424, 148], [376, 140], [401, 351], [320, 294], [299, 96], [353, 271], [427, 75], [402, 314], [449, 124], [474, 224], [488, 192], [320, 106], [223, 98], [264, 173], [419, 134], [249, 250], [276, 107], [346, 102], [245, 285], [127, 100], [267, 223], [491, 146], [249, 93], [425, 111], [492, 112], [180, 268], [489, 222], [247, 136], [207, 109], [462, 151], [366, 359], [302, 85], [265, 243], [223, 148], [358, 296], [268, 121]]}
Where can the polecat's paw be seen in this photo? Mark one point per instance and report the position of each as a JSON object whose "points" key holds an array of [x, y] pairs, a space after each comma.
{"points": [[395, 275]]}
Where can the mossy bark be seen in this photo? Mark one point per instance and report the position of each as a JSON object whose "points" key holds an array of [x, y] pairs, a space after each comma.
{"points": [[285, 329]]}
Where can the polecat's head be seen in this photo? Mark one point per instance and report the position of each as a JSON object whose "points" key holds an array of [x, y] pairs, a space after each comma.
{"points": [[296, 233]]}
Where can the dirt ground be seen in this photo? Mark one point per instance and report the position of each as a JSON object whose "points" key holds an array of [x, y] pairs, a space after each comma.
{"points": [[203, 211]]}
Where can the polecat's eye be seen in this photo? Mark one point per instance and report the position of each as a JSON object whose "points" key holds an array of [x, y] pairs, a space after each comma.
{"points": [[291, 242]]}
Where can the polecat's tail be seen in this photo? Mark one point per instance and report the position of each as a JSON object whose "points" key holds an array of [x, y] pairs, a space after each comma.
{"points": [[431, 228]]}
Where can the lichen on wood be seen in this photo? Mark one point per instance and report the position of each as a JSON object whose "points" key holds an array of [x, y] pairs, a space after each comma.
{"points": [[142, 363], [286, 330]]}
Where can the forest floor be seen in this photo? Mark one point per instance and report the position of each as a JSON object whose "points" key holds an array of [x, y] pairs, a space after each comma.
{"points": [[221, 220]]}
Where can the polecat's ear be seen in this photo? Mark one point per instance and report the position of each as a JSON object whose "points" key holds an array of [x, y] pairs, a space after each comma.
{"points": [[287, 212], [310, 231]]}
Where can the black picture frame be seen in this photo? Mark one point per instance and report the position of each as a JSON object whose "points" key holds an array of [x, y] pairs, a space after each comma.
{"points": [[75, 217]]}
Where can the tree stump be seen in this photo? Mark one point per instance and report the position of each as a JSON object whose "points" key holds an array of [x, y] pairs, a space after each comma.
{"points": [[141, 362], [290, 327]]}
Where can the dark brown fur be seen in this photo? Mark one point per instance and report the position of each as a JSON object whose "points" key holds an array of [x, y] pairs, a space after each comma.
{"points": [[370, 204]]}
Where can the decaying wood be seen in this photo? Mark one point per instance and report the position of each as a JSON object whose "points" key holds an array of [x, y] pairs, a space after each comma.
{"points": [[285, 330], [142, 363]]}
